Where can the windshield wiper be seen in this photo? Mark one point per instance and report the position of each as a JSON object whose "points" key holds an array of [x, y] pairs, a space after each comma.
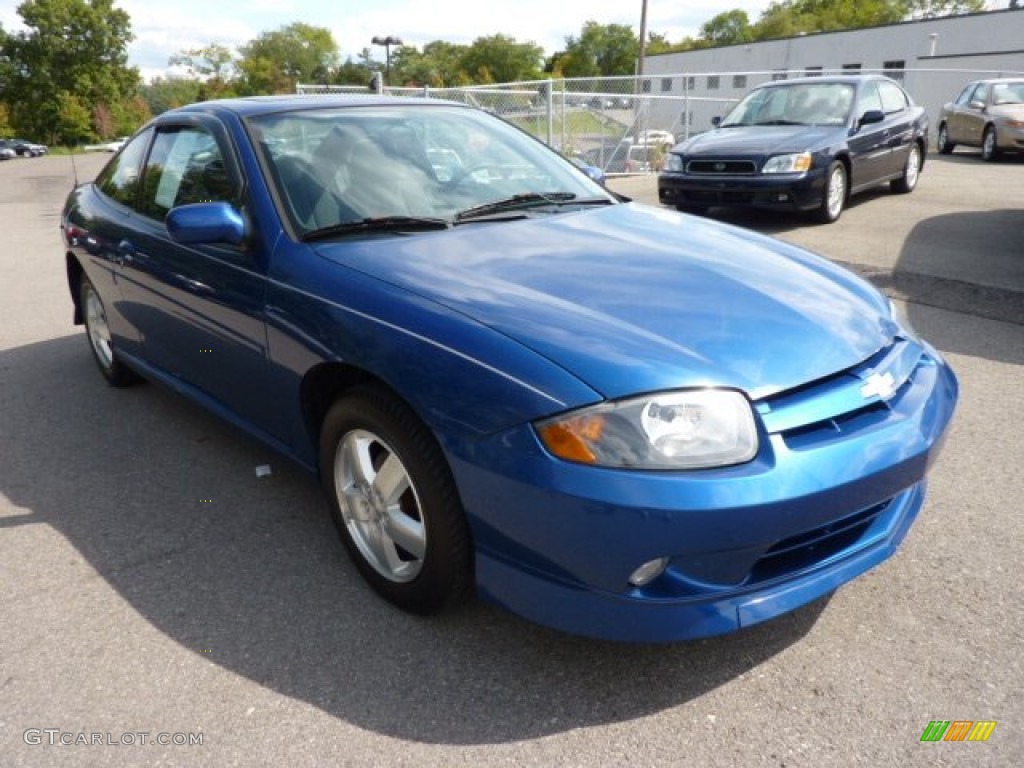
{"points": [[780, 122], [377, 224], [527, 200]]}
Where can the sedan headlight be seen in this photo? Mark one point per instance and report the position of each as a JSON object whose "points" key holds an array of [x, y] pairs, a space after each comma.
{"points": [[669, 430], [674, 163], [797, 163]]}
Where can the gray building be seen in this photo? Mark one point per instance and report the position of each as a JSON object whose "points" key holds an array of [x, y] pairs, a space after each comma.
{"points": [[933, 58]]}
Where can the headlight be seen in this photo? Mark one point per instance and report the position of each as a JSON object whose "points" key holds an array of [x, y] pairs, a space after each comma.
{"points": [[669, 430], [788, 163], [899, 316], [674, 163]]}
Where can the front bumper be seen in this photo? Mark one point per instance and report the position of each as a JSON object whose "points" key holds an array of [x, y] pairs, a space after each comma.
{"points": [[801, 192], [556, 542]]}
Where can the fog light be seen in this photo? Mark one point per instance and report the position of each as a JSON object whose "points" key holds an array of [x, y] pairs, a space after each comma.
{"points": [[648, 572]]}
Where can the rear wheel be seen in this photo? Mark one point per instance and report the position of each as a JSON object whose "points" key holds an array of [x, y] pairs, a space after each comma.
{"points": [[97, 330], [989, 147], [833, 196], [944, 145], [394, 501], [911, 172]]}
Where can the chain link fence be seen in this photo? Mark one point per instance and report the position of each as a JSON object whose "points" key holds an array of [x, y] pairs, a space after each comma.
{"points": [[627, 124]]}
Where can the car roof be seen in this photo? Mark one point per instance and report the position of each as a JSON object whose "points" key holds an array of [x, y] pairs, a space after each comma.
{"points": [[828, 79], [265, 105]]}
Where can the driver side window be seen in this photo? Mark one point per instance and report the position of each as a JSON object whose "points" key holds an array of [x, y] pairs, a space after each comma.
{"points": [[185, 167]]}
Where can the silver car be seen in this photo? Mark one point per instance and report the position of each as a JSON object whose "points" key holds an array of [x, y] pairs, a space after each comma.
{"points": [[987, 114]]}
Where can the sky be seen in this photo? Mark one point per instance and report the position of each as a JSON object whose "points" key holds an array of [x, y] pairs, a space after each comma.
{"points": [[165, 28]]}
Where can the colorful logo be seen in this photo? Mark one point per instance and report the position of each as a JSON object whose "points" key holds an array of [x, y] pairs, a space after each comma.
{"points": [[958, 730]]}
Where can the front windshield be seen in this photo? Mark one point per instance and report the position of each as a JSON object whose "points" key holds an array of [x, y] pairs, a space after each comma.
{"points": [[336, 166], [795, 104]]}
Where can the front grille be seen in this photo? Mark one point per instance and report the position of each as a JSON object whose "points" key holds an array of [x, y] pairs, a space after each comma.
{"points": [[722, 167], [809, 549]]}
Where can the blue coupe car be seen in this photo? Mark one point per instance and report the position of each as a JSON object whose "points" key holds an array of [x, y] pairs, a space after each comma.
{"points": [[612, 419]]}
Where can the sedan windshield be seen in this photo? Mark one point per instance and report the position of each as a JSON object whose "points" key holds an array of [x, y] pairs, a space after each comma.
{"points": [[407, 163], [796, 104]]}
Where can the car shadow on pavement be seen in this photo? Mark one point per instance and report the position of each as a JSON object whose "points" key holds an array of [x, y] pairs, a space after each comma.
{"points": [[164, 503]]}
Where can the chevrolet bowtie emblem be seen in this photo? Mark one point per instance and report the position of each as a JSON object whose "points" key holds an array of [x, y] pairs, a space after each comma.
{"points": [[719, 166], [879, 385]]}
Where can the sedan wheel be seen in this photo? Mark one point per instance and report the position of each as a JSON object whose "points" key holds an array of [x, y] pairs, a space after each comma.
{"points": [[394, 501], [911, 172], [97, 330], [944, 145], [833, 197], [989, 149]]}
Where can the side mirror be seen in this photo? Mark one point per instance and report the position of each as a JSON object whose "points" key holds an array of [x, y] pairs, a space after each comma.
{"points": [[716, 121], [979, 105], [205, 223], [595, 173], [870, 117]]}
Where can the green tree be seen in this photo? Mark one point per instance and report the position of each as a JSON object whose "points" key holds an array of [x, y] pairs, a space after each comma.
{"points": [[212, 65], [600, 49], [71, 56], [929, 8], [275, 61], [500, 59], [728, 28], [167, 93]]}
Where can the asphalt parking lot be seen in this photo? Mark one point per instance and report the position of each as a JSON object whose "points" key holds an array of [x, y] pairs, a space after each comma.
{"points": [[153, 586]]}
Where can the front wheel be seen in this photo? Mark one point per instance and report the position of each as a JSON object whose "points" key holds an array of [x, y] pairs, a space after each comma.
{"points": [[989, 146], [394, 501], [944, 145], [833, 196], [911, 172], [97, 330]]}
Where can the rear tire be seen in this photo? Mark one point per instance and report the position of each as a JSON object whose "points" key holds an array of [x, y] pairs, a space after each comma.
{"points": [[911, 172], [943, 144], [394, 502], [833, 196]]}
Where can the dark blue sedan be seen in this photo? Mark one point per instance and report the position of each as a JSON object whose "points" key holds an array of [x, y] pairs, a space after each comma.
{"points": [[802, 145], [608, 418]]}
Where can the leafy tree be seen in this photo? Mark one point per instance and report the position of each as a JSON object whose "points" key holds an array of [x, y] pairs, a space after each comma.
{"points": [[72, 53], [728, 28], [275, 61], [500, 59], [212, 65], [930, 8], [601, 49], [167, 93]]}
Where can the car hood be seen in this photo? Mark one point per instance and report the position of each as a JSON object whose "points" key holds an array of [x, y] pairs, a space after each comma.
{"points": [[1011, 111], [758, 140], [631, 298]]}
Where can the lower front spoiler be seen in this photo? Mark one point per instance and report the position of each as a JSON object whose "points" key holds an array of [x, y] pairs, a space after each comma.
{"points": [[627, 618], [802, 194]]}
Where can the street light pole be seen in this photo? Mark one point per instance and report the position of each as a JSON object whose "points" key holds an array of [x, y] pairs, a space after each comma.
{"points": [[387, 42]]}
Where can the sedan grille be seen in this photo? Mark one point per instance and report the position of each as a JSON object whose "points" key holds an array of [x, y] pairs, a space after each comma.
{"points": [[722, 167]]}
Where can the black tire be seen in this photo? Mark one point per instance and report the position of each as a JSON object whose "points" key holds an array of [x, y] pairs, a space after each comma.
{"points": [[406, 533], [942, 143], [833, 196], [97, 332], [989, 145], [911, 171]]}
